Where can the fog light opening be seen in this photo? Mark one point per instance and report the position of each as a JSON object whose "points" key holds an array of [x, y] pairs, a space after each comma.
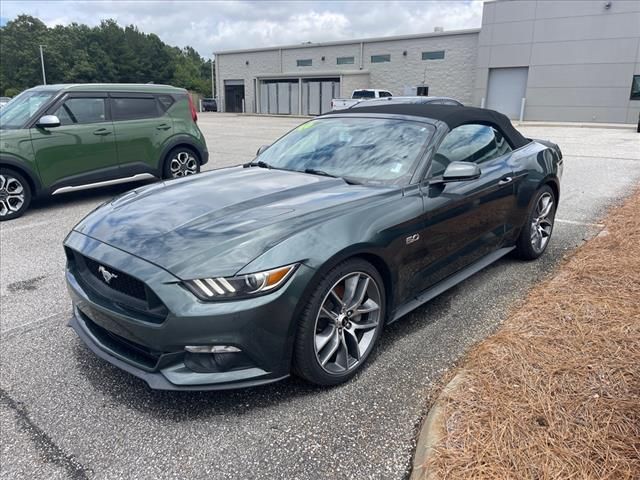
{"points": [[211, 349]]}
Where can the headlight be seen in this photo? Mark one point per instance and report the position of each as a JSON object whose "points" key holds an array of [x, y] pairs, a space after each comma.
{"points": [[242, 286]]}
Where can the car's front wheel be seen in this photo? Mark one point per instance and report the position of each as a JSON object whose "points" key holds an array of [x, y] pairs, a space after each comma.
{"points": [[340, 323], [180, 162], [15, 194], [537, 230]]}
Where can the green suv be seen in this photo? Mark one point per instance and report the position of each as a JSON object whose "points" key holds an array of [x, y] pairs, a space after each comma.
{"points": [[58, 138]]}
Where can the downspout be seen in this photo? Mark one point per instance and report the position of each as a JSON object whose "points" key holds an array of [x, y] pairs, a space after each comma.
{"points": [[361, 55], [280, 53]]}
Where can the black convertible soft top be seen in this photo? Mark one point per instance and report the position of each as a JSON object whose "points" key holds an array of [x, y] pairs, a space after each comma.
{"points": [[452, 115]]}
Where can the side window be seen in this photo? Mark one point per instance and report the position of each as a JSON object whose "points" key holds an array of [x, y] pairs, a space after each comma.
{"points": [[81, 111], [134, 108], [384, 94], [167, 100], [469, 143]]}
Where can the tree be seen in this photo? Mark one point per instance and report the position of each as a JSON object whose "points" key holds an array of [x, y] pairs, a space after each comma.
{"points": [[81, 54]]}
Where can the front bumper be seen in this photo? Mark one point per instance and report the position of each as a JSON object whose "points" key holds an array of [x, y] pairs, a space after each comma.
{"points": [[152, 349]]}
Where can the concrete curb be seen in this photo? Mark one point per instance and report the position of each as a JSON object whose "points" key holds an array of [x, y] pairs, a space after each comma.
{"points": [[432, 431]]}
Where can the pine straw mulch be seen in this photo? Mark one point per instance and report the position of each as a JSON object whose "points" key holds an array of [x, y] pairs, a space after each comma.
{"points": [[555, 394]]}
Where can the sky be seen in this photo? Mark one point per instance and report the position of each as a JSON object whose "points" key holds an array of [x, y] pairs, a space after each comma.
{"points": [[210, 26]]}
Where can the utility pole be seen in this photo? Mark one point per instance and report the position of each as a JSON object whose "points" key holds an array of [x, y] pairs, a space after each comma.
{"points": [[44, 76]]}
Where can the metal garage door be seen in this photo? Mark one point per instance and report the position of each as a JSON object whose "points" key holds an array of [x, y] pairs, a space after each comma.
{"points": [[507, 88], [317, 94], [279, 97]]}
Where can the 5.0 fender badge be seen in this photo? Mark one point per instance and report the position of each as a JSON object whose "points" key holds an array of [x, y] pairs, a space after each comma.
{"points": [[413, 238]]}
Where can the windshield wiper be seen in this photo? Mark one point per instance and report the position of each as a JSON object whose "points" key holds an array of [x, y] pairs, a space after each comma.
{"points": [[259, 163], [315, 171]]}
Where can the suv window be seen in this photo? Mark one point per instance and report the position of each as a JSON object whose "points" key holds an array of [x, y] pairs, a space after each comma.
{"points": [[81, 111], [469, 143], [134, 108]]}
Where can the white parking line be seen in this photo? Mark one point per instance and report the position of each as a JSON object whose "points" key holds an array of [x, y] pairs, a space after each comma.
{"points": [[576, 222]]}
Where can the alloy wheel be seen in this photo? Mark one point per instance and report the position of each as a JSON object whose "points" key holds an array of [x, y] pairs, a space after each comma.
{"points": [[542, 222], [12, 195], [346, 324], [182, 164]]}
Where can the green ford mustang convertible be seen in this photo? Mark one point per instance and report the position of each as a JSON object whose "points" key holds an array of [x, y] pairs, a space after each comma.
{"points": [[295, 262], [58, 138]]}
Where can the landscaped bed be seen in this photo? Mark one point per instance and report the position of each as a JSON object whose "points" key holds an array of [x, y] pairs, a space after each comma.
{"points": [[556, 392]]}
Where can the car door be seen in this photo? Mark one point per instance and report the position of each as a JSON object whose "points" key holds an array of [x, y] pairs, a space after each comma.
{"points": [[141, 128], [82, 149], [466, 220]]}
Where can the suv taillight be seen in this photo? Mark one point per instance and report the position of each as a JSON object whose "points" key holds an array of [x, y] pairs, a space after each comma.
{"points": [[192, 107]]}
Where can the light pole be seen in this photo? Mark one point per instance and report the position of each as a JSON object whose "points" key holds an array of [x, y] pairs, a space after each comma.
{"points": [[213, 80], [44, 76]]}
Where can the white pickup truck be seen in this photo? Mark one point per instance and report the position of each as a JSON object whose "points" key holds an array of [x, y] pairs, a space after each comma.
{"points": [[358, 96]]}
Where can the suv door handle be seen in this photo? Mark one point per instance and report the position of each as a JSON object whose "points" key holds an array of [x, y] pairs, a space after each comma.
{"points": [[102, 132], [163, 126], [505, 180]]}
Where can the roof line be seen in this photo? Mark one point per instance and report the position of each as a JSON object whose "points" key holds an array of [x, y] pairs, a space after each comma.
{"points": [[354, 41]]}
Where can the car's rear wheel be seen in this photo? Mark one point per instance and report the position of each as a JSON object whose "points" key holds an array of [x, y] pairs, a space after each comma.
{"points": [[180, 162], [15, 194], [340, 323], [536, 233]]}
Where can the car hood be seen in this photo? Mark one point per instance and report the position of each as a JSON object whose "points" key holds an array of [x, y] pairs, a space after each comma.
{"points": [[215, 223]]}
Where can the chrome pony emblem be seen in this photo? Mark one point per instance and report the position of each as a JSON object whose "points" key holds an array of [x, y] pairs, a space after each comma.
{"points": [[106, 274]]}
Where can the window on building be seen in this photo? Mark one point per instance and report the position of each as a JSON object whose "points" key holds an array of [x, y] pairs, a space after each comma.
{"points": [[469, 143], [81, 110], [345, 60], [134, 108], [304, 63], [635, 88], [380, 58], [437, 55]]}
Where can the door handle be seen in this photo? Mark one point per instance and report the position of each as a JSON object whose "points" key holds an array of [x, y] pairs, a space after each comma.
{"points": [[163, 126], [102, 132], [505, 180]]}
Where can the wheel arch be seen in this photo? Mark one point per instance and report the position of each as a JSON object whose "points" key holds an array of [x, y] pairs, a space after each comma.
{"points": [[181, 141], [25, 171]]}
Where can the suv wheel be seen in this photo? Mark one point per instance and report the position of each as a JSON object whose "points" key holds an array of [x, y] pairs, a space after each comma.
{"points": [[180, 162], [340, 324], [15, 194], [536, 232]]}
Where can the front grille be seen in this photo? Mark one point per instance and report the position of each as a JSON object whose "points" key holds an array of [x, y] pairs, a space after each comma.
{"points": [[120, 281], [123, 291]]}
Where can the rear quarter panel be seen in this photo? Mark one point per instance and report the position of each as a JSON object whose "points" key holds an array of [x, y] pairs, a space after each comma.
{"points": [[533, 165]]}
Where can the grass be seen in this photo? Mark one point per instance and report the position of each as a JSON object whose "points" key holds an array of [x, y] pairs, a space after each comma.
{"points": [[555, 394]]}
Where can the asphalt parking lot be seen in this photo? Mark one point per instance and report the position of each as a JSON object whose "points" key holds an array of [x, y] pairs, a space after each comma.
{"points": [[65, 413]]}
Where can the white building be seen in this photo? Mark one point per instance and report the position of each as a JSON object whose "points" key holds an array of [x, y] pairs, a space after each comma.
{"points": [[571, 60]]}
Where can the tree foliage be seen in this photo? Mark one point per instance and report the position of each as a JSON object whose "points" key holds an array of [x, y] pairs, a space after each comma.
{"points": [[106, 53]]}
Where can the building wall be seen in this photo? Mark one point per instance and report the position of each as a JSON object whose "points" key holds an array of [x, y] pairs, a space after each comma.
{"points": [[581, 56], [452, 76]]}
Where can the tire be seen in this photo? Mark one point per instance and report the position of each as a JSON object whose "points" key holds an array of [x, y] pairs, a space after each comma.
{"points": [[15, 194], [333, 343], [180, 162], [536, 232]]}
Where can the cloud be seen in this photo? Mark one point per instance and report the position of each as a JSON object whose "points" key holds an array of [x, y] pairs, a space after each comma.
{"points": [[215, 26]]}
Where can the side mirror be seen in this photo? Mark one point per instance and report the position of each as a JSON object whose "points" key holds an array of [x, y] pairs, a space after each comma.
{"points": [[48, 121], [460, 171], [262, 149]]}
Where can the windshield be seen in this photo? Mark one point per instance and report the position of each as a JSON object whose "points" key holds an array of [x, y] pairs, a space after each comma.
{"points": [[15, 113], [371, 150], [363, 94]]}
